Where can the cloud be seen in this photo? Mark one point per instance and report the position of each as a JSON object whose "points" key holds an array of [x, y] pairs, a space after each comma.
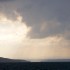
{"points": [[45, 29], [37, 49], [12, 32], [36, 13], [50, 28]]}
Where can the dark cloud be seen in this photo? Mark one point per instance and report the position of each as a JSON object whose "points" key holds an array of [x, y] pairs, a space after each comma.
{"points": [[35, 12], [48, 9]]}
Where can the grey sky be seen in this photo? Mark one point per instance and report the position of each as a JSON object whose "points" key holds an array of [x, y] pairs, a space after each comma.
{"points": [[55, 13]]}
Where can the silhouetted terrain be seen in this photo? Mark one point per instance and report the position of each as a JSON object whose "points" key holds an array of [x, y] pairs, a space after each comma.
{"points": [[11, 60], [11, 64], [35, 66], [56, 60]]}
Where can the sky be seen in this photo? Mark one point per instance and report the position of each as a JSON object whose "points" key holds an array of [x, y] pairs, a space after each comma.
{"points": [[35, 29]]}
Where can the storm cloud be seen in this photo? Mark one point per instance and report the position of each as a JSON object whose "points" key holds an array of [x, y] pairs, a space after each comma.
{"points": [[55, 14]]}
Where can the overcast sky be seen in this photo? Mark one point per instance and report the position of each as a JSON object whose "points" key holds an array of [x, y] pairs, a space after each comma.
{"points": [[49, 20]]}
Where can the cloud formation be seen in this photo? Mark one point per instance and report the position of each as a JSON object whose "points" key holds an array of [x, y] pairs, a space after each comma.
{"points": [[35, 13], [50, 28]]}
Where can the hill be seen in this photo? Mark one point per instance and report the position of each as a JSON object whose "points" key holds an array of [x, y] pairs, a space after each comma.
{"points": [[11, 60]]}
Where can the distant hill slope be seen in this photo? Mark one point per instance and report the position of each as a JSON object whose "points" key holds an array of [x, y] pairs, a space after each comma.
{"points": [[56, 60], [11, 60]]}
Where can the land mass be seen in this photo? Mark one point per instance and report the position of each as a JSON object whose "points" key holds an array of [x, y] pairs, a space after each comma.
{"points": [[11, 60]]}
